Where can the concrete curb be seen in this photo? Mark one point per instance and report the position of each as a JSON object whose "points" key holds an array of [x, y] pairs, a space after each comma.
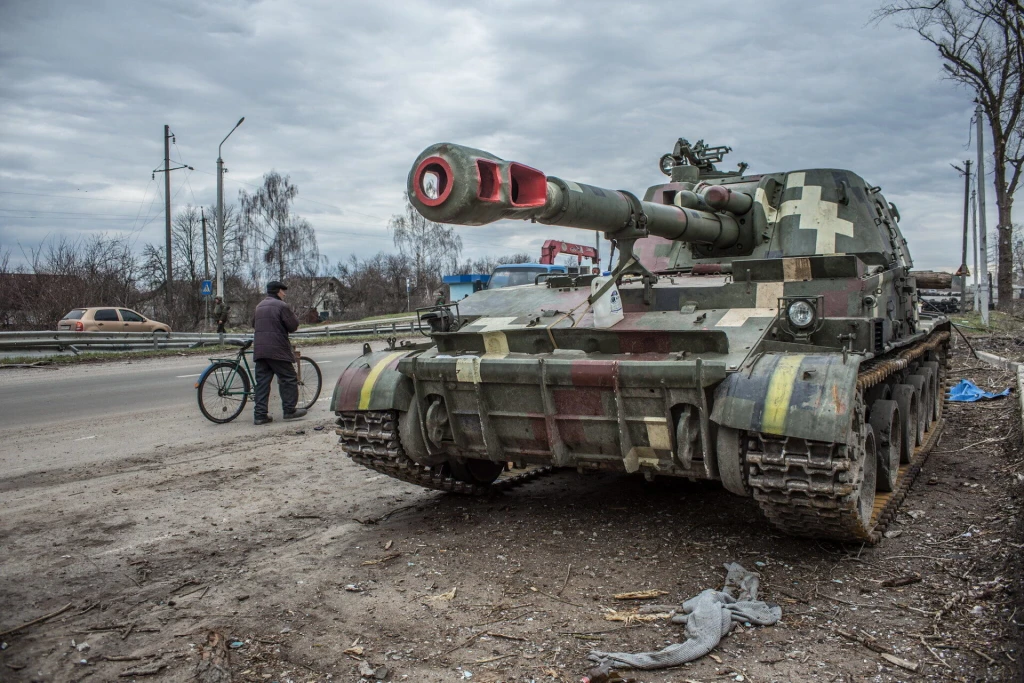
{"points": [[999, 361]]}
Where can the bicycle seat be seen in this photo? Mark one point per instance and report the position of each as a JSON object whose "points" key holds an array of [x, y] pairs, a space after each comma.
{"points": [[239, 342]]}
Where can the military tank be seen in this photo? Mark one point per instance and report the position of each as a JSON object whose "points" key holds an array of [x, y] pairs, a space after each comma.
{"points": [[770, 338]]}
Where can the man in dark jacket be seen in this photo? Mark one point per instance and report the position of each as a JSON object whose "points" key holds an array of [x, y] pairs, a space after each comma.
{"points": [[273, 355]]}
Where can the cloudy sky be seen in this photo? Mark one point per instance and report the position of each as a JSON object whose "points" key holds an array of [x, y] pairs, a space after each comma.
{"points": [[342, 96]]}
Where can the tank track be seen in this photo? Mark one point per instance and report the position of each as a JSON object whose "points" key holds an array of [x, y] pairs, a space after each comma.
{"points": [[810, 488], [371, 439]]}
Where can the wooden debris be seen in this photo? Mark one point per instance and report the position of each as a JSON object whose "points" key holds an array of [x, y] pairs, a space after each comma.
{"points": [[40, 620], [502, 635], [382, 560], [634, 617], [640, 595], [868, 642], [902, 581], [901, 663], [151, 670]]}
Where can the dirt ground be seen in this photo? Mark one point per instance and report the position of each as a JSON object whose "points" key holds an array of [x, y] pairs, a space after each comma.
{"points": [[313, 569]]}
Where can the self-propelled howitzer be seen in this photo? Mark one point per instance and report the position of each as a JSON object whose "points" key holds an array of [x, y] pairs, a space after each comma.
{"points": [[770, 338]]}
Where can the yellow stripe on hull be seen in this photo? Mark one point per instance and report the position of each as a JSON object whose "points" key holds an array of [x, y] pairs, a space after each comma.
{"points": [[371, 379], [780, 390]]}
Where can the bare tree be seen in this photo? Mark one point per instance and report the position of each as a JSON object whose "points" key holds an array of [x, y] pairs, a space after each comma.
{"points": [[62, 274], [271, 235], [187, 245], [433, 248], [373, 286], [981, 43]]}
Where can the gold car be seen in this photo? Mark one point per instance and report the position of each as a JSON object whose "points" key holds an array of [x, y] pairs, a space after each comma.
{"points": [[109, 320]]}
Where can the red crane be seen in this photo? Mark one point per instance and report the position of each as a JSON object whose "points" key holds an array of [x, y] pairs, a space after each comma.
{"points": [[553, 248]]}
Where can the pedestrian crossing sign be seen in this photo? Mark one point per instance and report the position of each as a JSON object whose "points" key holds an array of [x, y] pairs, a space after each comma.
{"points": [[207, 288]]}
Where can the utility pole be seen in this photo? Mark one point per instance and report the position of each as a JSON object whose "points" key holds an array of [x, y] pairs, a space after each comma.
{"points": [[206, 260], [983, 245], [963, 258], [974, 242], [220, 213], [166, 170], [167, 216]]}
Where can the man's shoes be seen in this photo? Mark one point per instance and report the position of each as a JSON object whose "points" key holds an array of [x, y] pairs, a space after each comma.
{"points": [[263, 420], [295, 414]]}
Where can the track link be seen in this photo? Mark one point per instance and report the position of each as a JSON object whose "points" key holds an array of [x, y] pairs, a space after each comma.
{"points": [[371, 439], [810, 488]]}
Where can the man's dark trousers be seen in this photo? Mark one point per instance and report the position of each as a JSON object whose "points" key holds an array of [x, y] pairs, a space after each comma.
{"points": [[220, 328], [287, 383]]}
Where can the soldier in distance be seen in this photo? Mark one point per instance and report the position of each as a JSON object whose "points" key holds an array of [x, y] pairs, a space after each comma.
{"points": [[273, 355], [220, 313]]}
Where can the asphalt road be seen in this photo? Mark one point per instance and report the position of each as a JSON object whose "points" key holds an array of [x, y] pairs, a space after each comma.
{"points": [[103, 390]]}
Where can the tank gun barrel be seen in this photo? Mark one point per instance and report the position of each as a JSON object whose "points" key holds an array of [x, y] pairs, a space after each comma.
{"points": [[453, 184]]}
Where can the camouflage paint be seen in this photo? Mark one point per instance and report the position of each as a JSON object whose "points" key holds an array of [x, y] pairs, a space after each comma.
{"points": [[808, 396], [371, 382]]}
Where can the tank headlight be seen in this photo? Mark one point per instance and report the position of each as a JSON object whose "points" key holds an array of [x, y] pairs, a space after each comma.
{"points": [[801, 314]]}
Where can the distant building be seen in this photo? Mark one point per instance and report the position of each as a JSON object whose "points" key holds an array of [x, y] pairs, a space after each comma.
{"points": [[461, 286], [324, 295]]}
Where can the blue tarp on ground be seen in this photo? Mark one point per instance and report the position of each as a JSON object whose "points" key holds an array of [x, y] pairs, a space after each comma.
{"points": [[968, 391]]}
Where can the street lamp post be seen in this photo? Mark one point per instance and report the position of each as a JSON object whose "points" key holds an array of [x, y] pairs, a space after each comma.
{"points": [[220, 213]]}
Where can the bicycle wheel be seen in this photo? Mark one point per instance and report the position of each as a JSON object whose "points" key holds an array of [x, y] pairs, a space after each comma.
{"points": [[309, 384], [223, 391]]}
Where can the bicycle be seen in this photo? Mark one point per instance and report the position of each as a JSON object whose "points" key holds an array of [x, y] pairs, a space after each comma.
{"points": [[226, 385]]}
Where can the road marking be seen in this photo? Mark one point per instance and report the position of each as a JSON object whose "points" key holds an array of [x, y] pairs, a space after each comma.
{"points": [[184, 376], [321, 362], [86, 438]]}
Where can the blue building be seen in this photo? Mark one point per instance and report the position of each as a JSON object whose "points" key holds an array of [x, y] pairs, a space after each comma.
{"points": [[461, 286]]}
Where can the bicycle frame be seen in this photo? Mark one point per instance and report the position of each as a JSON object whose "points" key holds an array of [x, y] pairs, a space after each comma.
{"points": [[241, 361]]}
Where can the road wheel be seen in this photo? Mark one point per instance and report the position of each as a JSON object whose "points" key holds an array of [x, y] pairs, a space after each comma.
{"points": [[888, 429], [932, 384], [939, 393], [924, 398], [869, 465], [906, 398], [223, 391], [731, 465]]}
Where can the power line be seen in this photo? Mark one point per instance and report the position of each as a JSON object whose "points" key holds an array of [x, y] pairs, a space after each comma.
{"points": [[66, 218], [143, 201], [300, 198], [65, 196], [175, 143], [67, 213]]}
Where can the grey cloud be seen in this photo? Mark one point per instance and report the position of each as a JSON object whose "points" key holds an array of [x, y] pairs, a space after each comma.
{"points": [[342, 96]]}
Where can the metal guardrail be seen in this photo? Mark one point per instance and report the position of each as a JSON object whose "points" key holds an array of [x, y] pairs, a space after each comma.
{"points": [[123, 341]]}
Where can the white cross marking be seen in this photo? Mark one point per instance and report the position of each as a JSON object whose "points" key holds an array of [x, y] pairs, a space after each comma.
{"points": [[816, 214]]}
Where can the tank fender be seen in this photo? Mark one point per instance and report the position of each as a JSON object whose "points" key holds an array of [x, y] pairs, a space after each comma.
{"points": [[808, 396], [372, 382]]}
